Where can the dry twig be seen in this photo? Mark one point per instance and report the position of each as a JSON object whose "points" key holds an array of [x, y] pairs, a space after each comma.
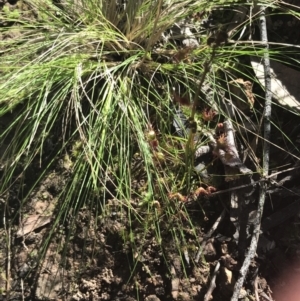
{"points": [[7, 229], [212, 285], [266, 152], [209, 234]]}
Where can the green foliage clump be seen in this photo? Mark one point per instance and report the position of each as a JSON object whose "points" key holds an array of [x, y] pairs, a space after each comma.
{"points": [[85, 82]]}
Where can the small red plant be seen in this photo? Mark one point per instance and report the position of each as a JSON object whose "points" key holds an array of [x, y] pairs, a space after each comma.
{"points": [[208, 114], [221, 141], [177, 196], [211, 189], [220, 127], [202, 191], [184, 101]]}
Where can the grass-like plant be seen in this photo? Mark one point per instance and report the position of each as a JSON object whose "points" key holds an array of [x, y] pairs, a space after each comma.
{"points": [[88, 86], [81, 83]]}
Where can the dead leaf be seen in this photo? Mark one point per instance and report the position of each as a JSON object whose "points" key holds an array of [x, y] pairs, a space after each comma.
{"points": [[182, 55], [32, 223], [285, 86]]}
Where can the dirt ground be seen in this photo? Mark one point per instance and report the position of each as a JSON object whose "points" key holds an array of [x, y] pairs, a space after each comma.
{"points": [[91, 255]]}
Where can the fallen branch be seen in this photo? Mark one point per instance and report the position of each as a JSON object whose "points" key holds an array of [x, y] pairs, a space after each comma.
{"points": [[266, 152], [264, 179]]}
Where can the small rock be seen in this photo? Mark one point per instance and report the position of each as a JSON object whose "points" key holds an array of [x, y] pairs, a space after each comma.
{"points": [[224, 248], [184, 296], [230, 263], [160, 291], [152, 298], [77, 297], [243, 293], [227, 281], [23, 270], [175, 287], [209, 251]]}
